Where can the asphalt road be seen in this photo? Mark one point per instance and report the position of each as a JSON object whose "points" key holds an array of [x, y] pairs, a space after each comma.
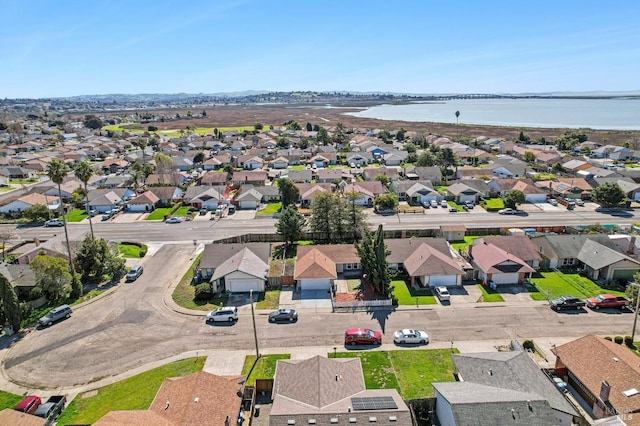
{"points": [[132, 327]]}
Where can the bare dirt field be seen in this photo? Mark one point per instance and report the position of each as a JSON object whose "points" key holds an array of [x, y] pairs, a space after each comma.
{"points": [[248, 115]]}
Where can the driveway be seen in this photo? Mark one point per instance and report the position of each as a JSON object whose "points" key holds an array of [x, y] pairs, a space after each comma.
{"points": [[128, 217], [318, 300]]}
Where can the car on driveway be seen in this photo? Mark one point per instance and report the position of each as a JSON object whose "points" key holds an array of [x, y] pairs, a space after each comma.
{"points": [[53, 222], [579, 202], [56, 314], [29, 404], [286, 315], [174, 219], [566, 302], [443, 294], [227, 313], [362, 336], [552, 201], [408, 335], [507, 211], [134, 273]]}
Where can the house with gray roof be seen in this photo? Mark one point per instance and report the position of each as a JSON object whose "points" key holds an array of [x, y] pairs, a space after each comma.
{"points": [[300, 176], [630, 188], [242, 272], [269, 193], [604, 263], [561, 251], [215, 256], [500, 388], [433, 174], [249, 198], [332, 391], [415, 192]]}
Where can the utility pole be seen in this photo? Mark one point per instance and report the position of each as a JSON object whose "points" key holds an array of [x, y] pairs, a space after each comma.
{"points": [[253, 318], [635, 313]]}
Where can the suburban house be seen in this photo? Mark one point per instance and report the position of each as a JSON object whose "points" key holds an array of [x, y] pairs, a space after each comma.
{"points": [[494, 265], [236, 267], [606, 375], [55, 246], [508, 167], [328, 175], [214, 178], [359, 159], [432, 174], [604, 263], [144, 202], [21, 277], [453, 232], [519, 245], [200, 399], [428, 262], [9, 416], [167, 195], [318, 265], [300, 176], [327, 391], [415, 192], [255, 177], [370, 173], [500, 388], [26, 201], [269, 193], [561, 251], [532, 194], [308, 191], [249, 199], [630, 188], [461, 193], [207, 197]]}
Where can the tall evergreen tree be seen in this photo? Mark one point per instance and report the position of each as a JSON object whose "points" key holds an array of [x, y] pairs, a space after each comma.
{"points": [[11, 312], [289, 193], [290, 225]]}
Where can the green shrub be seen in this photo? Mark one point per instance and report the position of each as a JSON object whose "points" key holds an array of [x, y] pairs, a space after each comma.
{"points": [[202, 292], [618, 339], [608, 338], [528, 345], [628, 340]]}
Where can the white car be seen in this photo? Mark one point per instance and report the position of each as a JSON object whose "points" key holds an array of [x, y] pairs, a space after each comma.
{"points": [[174, 219], [552, 201], [434, 203], [444, 203], [53, 222], [227, 313], [579, 202], [408, 335], [443, 294]]}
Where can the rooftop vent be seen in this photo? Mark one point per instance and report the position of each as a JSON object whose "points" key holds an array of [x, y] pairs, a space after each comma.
{"points": [[630, 392]]}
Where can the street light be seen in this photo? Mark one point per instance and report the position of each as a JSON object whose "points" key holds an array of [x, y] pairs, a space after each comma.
{"points": [[253, 318]]}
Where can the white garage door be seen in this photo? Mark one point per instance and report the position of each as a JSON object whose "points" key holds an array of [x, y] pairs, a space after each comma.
{"points": [[446, 280], [505, 278], [248, 204], [243, 285], [315, 284]]}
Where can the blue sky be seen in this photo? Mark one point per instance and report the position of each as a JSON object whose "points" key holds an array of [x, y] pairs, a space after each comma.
{"points": [[73, 47]]}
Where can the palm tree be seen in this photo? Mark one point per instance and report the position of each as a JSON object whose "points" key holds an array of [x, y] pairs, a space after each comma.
{"points": [[83, 171], [57, 171], [457, 115]]}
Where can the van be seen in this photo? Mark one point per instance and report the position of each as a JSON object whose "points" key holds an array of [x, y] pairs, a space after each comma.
{"points": [[56, 314]]}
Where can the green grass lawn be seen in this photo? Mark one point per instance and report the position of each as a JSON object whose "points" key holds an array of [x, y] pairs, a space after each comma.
{"points": [[9, 400], [407, 295], [464, 245], [555, 284], [268, 300], [184, 293], [134, 393], [130, 251], [494, 203], [76, 215], [159, 214], [296, 167], [265, 368], [489, 295], [270, 209], [354, 285], [410, 372]]}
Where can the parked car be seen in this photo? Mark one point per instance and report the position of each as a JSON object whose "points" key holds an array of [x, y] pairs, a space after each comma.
{"points": [[560, 384], [92, 212], [566, 302], [507, 211], [51, 409], [134, 273], [434, 204], [579, 202], [606, 301], [227, 313], [173, 219], [408, 335], [426, 205], [56, 314], [552, 201], [453, 210], [444, 204], [443, 294], [203, 211], [54, 222], [29, 404], [362, 336], [469, 204], [107, 215], [288, 315]]}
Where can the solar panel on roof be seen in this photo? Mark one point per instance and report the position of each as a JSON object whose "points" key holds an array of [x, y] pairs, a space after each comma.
{"points": [[373, 403]]}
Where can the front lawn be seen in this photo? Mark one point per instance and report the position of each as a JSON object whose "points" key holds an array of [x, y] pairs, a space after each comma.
{"points": [[489, 295], [159, 214], [184, 293], [76, 215], [265, 368], [494, 203], [270, 209], [411, 372], [268, 300], [134, 393], [9, 400], [555, 284], [131, 250], [407, 295], [464, 245]]}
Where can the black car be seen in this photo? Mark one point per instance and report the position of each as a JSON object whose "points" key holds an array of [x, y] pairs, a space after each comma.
{"points": [[288, 315], [566, 302]]}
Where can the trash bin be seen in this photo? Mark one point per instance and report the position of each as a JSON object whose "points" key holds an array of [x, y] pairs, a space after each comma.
{"points": [[256, 411]]}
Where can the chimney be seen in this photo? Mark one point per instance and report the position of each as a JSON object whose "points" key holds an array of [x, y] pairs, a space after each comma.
{"points": [[605, 390], [227, 422], [632, 244]]}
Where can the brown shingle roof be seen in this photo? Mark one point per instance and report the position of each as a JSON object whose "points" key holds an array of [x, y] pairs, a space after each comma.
{"points": [[518, 245], [17, 418], [426, 260], [488, 257], [132, 418], [314, 264]]}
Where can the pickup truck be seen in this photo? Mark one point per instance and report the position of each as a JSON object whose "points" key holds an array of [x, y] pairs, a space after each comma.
{"points": [[606, 301], [51, 409], [566, 302]]}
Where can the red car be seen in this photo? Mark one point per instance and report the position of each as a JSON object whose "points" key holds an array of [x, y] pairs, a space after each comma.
{"points": [[28, 404], [362, 336]]}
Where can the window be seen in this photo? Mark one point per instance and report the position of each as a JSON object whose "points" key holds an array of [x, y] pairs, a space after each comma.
{"points": [[568, 261], [373, 419], [312, 421], [393, 419], [334, 420], [352, 420]]}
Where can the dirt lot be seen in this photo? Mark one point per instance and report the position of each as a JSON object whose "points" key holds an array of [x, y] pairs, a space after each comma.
{"points": [[248, 115]]}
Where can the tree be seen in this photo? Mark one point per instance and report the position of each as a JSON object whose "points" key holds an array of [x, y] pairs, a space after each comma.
{"points": [[426, 159], [92, 122], [386, 201], [323, 136], [57, 171], [37, 213], [83, 172], [6, 234], [10, 311], [290, 225], [204, 113], [523, 138], [457, 116], [608, 194], [141, 144], [356, 218], [289, 193], [198, 158], [52, 276], [383, 179], [530, 157], [373, 254], [309, 127], [410, 148], [513, 198], [164, 166], [95, 259], [447, 158]]}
